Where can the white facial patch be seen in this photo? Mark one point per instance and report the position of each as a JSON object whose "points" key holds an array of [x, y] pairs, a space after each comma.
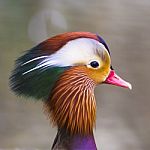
{"points": [[78, 51]]}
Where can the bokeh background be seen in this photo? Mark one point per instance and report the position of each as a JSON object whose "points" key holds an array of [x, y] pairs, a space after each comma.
{"points": [[123, 116]]}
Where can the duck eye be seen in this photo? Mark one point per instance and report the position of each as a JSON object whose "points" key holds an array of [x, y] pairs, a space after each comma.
{"points": [[94, 64]]}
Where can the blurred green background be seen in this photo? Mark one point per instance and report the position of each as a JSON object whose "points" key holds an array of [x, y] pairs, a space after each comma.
{"points": [[123, 116]]}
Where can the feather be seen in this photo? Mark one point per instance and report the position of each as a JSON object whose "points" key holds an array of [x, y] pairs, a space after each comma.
{"points": [[39, 68], [36, 84], [72, 102]]}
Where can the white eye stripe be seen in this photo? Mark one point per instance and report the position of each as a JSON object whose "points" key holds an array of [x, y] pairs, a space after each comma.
{"points": [[35, 68], [77, 51], [36, 58]]}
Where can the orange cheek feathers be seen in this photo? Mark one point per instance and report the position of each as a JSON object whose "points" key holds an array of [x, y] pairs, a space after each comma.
{"points": [[100, 74]]}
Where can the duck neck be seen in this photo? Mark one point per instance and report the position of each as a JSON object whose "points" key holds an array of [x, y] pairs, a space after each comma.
{"points": [[66, 141]]}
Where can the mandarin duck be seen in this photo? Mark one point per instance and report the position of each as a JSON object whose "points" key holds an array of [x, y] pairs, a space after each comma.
{"points": [[63, 71]]}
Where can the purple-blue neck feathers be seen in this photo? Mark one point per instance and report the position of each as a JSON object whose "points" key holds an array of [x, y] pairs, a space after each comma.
{"points": [[83, 143], [66, 141]]}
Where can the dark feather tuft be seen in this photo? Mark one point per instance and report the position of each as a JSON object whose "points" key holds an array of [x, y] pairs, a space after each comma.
{"points": [[37, 83]]}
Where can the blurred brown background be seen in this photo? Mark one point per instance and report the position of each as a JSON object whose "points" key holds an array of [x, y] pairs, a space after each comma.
{"points": [[123, 116]]}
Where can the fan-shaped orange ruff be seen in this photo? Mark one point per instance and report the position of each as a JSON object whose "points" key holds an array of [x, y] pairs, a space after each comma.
{"points": [[72, 103]]}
